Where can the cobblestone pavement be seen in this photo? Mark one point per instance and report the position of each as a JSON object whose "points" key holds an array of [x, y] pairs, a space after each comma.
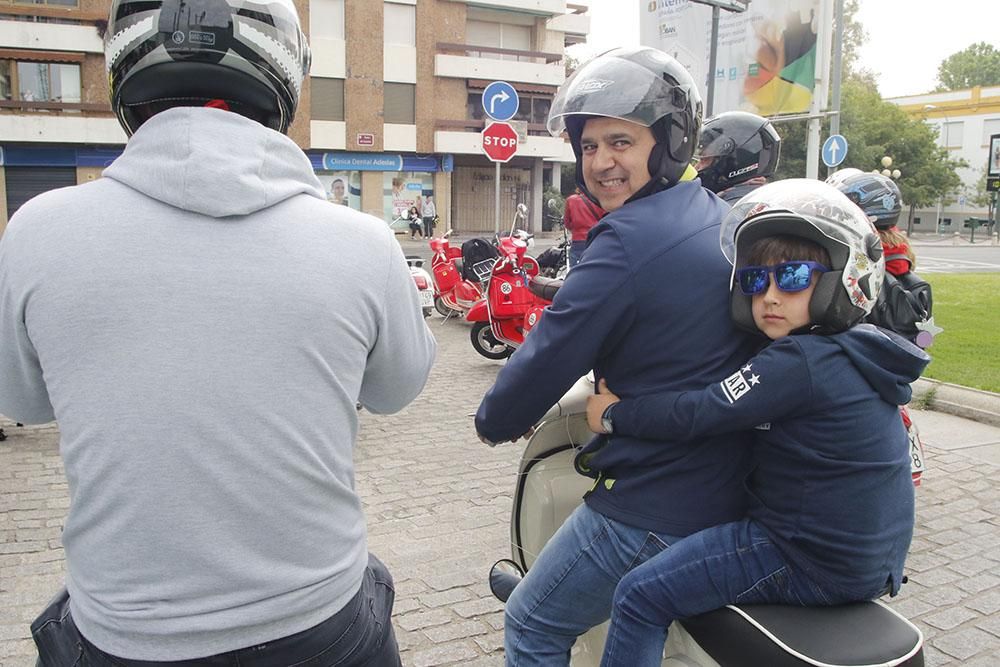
{"points": [[437, 503]]}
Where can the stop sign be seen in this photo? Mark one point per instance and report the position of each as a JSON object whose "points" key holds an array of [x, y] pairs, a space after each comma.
{"points": [[499, 142]]}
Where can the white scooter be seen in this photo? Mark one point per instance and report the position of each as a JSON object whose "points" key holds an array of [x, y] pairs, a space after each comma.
{"points": [[425, 286], [549, 489]]}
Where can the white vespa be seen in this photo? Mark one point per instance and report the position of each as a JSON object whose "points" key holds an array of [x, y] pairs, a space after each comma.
{"points": [[548, 490]]}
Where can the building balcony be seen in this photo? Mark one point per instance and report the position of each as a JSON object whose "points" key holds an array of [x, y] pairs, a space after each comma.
{"points": [[574, 23], [59, 122], [469, 61], [60, 29], [463, 137], [538, 7]]}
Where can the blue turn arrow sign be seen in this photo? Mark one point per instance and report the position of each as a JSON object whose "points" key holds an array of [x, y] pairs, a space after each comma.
{"points": [[834, 150], [500, 101]]}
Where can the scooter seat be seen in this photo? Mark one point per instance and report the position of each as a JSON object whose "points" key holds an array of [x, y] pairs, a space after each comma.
{"points": [[544, 288], [851, 635]]}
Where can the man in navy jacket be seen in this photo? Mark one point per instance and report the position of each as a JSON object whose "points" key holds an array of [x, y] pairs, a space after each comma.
{"points": [[647, 309]]}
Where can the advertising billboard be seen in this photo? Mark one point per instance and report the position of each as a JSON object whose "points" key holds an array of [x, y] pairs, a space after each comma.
{"points": [[766, 57]]}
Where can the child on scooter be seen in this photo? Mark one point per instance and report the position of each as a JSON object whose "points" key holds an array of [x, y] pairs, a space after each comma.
{"points": [[830, 499]]}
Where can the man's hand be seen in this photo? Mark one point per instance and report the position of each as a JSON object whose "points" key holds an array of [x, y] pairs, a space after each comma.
{"points": [[597, 404]]}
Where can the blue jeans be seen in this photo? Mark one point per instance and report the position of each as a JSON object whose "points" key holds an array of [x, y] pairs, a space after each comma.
{"points": [[569, 588], [359, 635], [727, 564]]}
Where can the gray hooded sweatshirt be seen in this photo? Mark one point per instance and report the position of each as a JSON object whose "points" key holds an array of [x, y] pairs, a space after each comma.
{"points": [[201, 323]]}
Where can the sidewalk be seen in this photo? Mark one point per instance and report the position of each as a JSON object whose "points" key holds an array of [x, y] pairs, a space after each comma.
{"points": [[438, 502]]}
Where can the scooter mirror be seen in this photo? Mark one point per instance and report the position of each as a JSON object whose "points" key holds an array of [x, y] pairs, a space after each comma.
{"points": [[551, 203], [522, 210], [504, 576]]}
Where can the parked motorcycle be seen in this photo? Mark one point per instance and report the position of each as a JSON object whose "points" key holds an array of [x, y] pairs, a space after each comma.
{"points": [[548, 489], [425, 285], [515, 297], [453, 291]]}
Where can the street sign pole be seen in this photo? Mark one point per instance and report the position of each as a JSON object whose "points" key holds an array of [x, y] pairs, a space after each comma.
{"points": [[500, 102], [496, 201]]}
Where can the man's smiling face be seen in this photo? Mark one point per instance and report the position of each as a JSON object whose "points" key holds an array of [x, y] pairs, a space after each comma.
{"points": [[615, 159]]}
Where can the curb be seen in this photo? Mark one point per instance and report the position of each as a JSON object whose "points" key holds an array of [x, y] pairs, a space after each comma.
{"points": [[975, 404]]}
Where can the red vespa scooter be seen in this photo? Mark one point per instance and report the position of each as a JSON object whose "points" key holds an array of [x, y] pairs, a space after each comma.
{"points": [[452, 293], [515, 298]]}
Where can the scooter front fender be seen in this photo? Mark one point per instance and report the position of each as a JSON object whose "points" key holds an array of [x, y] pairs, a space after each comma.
{"points": [[478, 313]]}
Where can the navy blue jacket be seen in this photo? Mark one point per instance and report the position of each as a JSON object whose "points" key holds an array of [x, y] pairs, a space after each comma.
{"points": [[831, 483], [648, 309]]}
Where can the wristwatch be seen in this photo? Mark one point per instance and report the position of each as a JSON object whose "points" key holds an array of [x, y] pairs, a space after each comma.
{"points": [[606, 423]]}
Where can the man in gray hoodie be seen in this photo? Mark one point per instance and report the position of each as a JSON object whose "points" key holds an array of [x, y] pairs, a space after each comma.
{"points": [[201, 324]]}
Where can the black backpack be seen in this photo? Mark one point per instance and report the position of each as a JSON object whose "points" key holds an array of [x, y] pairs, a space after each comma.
{"points": [[476, 250], [904, 302]]}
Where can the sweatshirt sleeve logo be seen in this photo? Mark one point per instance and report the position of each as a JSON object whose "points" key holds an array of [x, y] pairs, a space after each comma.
{"points": [[739, 383]]}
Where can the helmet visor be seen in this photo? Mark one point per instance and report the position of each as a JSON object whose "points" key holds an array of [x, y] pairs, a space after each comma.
{"points": [[616, 88]]}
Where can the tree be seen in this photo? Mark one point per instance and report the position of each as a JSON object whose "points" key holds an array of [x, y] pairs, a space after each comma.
{"points": [[978, 65], [874, 128]]}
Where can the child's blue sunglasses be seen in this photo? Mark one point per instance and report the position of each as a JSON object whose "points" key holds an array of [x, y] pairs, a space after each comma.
{"points": [[792, 276]]}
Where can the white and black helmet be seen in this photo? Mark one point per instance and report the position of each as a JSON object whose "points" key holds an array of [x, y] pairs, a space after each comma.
{"points": [[820, 213], [642, 85], [166, 53]]}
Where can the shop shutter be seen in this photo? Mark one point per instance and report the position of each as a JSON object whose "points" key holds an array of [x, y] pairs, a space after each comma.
{"points": [[23, 183]]}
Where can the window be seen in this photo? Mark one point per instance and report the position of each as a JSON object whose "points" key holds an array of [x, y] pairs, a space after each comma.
{"points": [[326, 99], [916, 221], [400, 24], [946, 222], [39, 82], [400, 103], [498, 35], [326, 19], [951, 134], [990, 127], [534, 109]]}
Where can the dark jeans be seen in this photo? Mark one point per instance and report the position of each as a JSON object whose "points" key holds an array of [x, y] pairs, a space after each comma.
{"points": [[733, 563], [429, 227], [359, 635]]}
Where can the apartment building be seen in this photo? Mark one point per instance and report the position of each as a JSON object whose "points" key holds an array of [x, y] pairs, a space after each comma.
{"points": [[965, 119], [391, 113]]}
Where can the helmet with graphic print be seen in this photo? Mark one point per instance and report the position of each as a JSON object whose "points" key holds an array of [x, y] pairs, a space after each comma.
{"points": [[741, 146], [641, 85], [877, 195], [816, 212], [249, 54]]}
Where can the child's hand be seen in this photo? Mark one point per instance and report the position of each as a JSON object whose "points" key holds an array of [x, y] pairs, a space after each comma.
{"points": [[597, 404]]}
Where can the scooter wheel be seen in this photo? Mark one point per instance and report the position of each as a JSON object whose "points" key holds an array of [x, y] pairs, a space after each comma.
{"points": [[486, 343], [427, 312], [443, 309]]}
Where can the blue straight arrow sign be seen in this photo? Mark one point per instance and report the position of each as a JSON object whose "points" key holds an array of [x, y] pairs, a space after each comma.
{"points": [[834, 150]]}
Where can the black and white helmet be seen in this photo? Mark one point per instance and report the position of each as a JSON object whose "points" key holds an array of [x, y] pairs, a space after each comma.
{"points": [[742, 146], [166, 53], [642, 85], [817, 212]]}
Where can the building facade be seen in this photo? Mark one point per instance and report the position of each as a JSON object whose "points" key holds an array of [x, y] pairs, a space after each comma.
{"points": [[965, 119], [390, 115]]}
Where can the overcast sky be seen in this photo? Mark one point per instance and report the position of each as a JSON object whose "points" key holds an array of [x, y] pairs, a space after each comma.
{"points": [[907, 39]]}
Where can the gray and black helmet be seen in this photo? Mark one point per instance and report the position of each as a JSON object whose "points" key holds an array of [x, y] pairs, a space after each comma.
{"points": [[641, 85], [167, 53], [877, 195]]}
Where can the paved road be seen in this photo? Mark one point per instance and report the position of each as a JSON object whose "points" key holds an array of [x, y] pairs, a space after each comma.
{"points": [[437, 503]]}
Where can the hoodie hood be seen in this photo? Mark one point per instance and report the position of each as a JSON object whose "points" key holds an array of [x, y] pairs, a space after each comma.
{"points": [[888, 361], [213, 162]]}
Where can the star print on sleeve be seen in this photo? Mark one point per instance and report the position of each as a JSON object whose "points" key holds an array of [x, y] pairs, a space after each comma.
{"points": [[738, 385]]}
